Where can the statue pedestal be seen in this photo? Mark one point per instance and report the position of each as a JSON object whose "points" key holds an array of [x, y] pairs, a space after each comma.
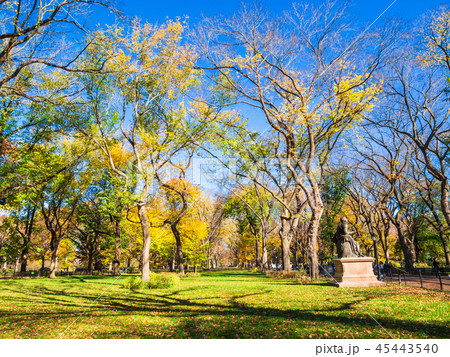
{"points": [[355, 272]]}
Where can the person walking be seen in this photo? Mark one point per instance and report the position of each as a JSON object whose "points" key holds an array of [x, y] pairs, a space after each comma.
{"points": [[435, 267], [387, 267]]}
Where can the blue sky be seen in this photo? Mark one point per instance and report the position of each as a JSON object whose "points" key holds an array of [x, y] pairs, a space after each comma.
{"points": [[158, 11]]}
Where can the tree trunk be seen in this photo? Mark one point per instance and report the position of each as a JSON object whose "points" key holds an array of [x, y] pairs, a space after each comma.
{"points": [[172, 261], [117, 252], [53, 264], [257, 252], [90, 261], [286, 238], [176, 233], [265, 264], [444, 244], [296, 256], [16, 265], [409, 261], [26, 235], [24, 256], [98, 263], [286, 235], [313, 231], [386, 239], [54, 247], [98, 258], [441, 230], [445, 201], [142, 212], [412, 246]]}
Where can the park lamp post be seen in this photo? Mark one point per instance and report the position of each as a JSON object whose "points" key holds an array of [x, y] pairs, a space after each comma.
{"points": [[375, 252]]}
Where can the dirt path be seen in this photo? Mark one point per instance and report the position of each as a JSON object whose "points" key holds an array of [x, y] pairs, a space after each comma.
{"points": [[429, 281]]}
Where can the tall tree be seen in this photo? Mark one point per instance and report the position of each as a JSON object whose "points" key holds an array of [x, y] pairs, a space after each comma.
{"points": [[386, 155], [418, 99], [149, 73], [36, 36], [307, 91]]}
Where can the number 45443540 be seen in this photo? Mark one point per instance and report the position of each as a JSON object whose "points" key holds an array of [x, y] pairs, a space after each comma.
{"points": [[407, 348]]}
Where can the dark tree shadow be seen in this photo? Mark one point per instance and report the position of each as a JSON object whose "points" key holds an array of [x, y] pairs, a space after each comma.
{"points": [[236, 318]]}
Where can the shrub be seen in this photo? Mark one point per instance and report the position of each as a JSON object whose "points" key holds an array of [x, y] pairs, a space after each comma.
{"points": [[132, 283], [156, 281], [162, 281], [421, 265]]}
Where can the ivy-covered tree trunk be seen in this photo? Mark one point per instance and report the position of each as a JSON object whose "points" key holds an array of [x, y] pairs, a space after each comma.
{"points": [[28, 224], [444, 244], [117, 251], [54, 247], [176, 233], [257, 252], [383, 233], [407, 254], [53, 264], [24, 255], [98, 256], [441, 230], [90, 265]]}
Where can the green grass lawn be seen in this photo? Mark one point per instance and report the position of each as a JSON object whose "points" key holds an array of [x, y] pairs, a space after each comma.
{"points": [[227, 304]]}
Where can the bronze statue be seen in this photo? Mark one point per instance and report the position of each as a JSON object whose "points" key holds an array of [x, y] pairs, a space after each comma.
{"points": [[347, 247]]}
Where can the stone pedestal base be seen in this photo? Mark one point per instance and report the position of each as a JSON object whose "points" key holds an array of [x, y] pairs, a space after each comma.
{"points": [[355, 272]]}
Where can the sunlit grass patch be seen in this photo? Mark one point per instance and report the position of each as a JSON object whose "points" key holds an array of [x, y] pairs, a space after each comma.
{"points": [[234, 304]]}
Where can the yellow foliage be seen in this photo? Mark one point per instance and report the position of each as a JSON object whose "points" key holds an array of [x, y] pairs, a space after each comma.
{"points": [[437, 41], [119, 154]]}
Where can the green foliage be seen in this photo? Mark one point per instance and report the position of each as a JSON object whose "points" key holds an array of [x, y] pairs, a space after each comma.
{"points": [[334, 194], [162, 281], [132, 283], [422, 265], [429, 245], [157, 281]]}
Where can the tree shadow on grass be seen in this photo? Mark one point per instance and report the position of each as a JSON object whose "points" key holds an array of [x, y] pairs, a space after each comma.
{"points": [[239, 320], [231, 275], [209, 317]]}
